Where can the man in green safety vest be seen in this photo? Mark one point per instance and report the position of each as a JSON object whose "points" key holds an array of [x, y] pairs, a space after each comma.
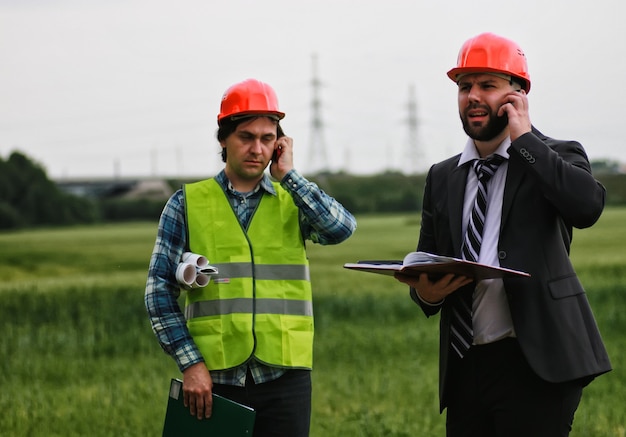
{"points": [[248, 333]]}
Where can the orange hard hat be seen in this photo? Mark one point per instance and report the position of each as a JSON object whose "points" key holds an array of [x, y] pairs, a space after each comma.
{"points": [[250, 97], [490, 53]]}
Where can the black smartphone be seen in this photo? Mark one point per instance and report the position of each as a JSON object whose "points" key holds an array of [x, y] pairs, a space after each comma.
{"points": [[276, 154], [279, 134]]}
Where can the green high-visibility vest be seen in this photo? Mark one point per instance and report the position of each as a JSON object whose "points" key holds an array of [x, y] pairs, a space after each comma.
{"points": [[260, 303]]}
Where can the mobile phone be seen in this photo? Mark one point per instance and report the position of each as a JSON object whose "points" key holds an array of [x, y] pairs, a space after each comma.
{"points": [[277, 152]]}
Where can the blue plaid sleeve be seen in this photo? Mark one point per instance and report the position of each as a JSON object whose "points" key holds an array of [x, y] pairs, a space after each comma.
{"points": [[323, 219], [162, 290]]}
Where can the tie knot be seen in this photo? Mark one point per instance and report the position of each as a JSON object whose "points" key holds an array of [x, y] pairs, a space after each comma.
{"points": [[486, 168]]}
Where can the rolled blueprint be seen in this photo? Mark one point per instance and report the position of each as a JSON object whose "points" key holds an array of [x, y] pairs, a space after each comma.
{"points": [[186, 274], [208, 270], [195, 259], [201, 281], [194, 271]]}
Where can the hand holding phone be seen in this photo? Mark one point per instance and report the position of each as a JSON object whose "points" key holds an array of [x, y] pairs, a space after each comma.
{"points": [[282, 156], [515, 109], [279, 149], [277, 152]]}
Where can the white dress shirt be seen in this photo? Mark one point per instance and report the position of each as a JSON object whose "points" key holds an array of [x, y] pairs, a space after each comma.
{"points": [[491, 315]]}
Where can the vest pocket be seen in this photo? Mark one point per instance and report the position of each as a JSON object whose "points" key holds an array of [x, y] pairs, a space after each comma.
{"points": [[285, 340], [225, 341]]}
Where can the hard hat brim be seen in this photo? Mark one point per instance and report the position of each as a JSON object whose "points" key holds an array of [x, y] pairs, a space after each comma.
{"points": [[274, 115], [454, 73]]}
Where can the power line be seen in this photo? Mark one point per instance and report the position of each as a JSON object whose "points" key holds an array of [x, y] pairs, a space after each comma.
{"points": [[413, 149], [318, 160]]}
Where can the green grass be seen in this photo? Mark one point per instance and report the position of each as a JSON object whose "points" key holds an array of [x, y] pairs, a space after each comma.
{"points": [[78, 356]]}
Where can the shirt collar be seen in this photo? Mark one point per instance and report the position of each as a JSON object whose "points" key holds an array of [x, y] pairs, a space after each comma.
{"points": [[470, 153], [265, 183]]}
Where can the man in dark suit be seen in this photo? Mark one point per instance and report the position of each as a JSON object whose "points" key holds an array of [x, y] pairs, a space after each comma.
{"points": [[533, 342]]}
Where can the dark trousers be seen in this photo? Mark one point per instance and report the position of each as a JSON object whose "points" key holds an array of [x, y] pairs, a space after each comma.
{"points": [[283, 406], [495, 393]]}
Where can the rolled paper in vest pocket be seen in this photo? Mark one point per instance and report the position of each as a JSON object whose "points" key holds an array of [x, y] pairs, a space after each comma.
{"points": [[208, 270], [186, 274], [197, 260], [201, 281]]}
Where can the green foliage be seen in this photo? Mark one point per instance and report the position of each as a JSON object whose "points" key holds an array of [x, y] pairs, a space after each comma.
{"points": [[79, 358], [386, 192], [604, 166], [615, 187], [121, 210], [9, 216], [28, 198]]}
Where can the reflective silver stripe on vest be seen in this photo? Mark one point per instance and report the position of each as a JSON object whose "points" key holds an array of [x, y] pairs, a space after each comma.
{"points": [[264, 271], [245, 305]]}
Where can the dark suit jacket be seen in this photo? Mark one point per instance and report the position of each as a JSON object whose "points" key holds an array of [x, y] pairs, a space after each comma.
{"points": [[549, 190]]}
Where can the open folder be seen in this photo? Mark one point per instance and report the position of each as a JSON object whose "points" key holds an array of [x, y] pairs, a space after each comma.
{"points": [[416, 263], [228, 418]]}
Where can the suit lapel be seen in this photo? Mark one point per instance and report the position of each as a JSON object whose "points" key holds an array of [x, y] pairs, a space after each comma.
{"points": [[514, 177], [456, 194]]}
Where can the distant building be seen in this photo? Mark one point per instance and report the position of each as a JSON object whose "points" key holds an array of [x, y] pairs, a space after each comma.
{"points": [[132, 189]]}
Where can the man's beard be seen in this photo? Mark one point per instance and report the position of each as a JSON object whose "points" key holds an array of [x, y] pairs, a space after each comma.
{"points": [[492, 129]]}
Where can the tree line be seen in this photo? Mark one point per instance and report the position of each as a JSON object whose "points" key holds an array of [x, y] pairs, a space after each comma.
{"points": [[29, 199]]}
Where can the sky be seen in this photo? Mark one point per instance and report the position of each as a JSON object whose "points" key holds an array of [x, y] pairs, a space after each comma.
{"points": [[131, 88]]}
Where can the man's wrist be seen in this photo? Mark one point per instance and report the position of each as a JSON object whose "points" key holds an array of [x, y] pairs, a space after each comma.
{"points": [[424, 301]]}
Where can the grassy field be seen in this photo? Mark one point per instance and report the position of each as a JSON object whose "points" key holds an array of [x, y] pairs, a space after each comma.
{"points": [[77, 356]]}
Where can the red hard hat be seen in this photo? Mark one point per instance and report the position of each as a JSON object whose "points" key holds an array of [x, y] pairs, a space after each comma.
{"points": [[487, 53], [249, 97]]}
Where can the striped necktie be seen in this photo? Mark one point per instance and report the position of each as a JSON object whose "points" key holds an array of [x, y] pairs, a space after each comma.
{"points": [[462, 332]]}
